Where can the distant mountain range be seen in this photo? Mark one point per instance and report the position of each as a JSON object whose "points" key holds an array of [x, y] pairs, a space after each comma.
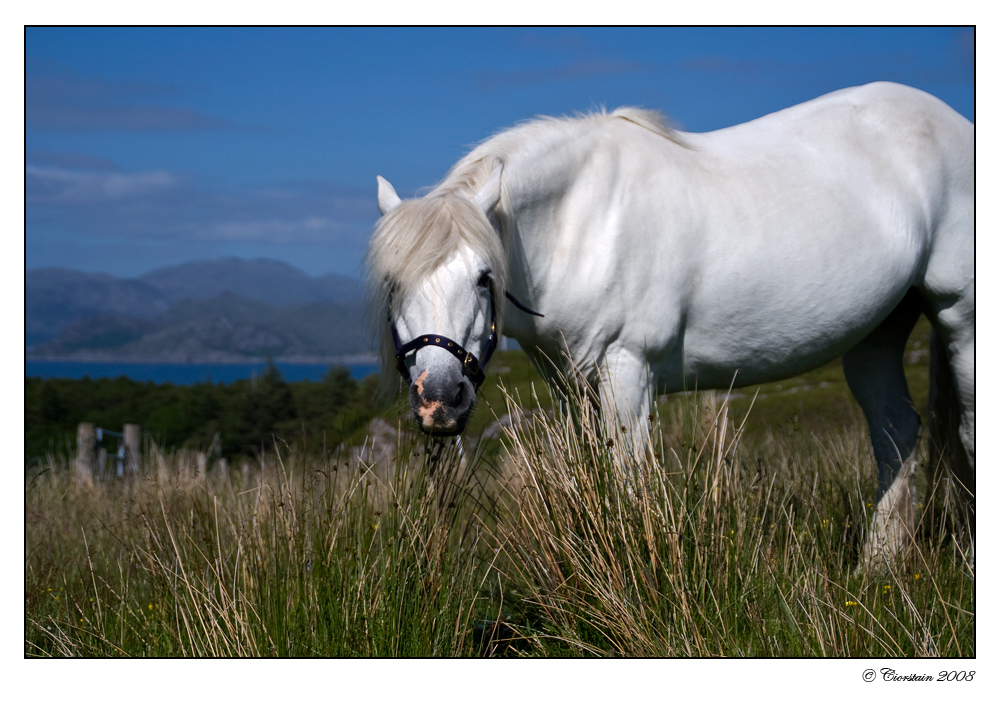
{"points": [[228, 309], [272, 283]]}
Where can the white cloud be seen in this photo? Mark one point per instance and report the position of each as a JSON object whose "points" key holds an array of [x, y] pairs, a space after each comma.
{"points": [[49, 185], [279, 230], [94, 207]]}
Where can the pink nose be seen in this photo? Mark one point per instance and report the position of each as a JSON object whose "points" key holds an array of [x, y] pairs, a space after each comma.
{"points": [[434, 416], [441, 406]]}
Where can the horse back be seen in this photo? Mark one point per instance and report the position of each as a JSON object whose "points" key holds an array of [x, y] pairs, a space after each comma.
{"points": [[798, 233]]}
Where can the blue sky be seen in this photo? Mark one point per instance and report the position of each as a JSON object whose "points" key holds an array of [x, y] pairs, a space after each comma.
{"points": [[150, 147]]}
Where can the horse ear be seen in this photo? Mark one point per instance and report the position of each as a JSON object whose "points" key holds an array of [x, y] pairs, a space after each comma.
{"points": [[388, 199], [489, 195]]}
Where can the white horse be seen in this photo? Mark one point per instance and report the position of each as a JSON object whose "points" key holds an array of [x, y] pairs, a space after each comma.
{"points": [[664, 260]]}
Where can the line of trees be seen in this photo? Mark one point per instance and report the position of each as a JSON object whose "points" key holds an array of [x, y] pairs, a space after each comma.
{"points": [[245, 414]]}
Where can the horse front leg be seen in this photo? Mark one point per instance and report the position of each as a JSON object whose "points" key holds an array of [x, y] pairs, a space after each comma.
{"points": [[626, 392]]}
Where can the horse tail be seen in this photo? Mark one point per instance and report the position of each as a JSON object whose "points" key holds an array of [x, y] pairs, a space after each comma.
{"points": [[947, 456]]}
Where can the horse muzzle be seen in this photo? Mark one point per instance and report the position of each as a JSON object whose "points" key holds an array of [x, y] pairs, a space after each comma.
{"points": [[442, 403]]}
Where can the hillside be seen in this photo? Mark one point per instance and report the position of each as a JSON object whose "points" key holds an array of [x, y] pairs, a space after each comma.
{"points": [[263, 280], [56, 298], [229, 309]]}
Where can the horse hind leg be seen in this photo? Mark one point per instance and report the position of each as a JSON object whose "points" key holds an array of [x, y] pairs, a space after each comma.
{"points": [[953, 414], [874, 372]]}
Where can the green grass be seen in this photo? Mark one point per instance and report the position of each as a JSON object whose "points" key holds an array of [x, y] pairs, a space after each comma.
{"points": [[738, 536], [290, 560]]}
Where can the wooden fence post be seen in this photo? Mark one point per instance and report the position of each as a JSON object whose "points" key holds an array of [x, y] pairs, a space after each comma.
{"points": [[133, 448], [202, 466], [86, 453]]}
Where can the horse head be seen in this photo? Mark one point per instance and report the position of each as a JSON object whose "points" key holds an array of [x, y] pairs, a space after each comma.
{"points": [[441, 284]]}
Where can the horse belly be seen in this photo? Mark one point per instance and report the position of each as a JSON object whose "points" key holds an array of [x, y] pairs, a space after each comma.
{"points": [[792, 300], [743, 361], [777, 339]]}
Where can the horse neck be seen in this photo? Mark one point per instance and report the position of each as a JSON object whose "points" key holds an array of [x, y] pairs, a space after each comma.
{"points": [[543, 166], [538, 174]]}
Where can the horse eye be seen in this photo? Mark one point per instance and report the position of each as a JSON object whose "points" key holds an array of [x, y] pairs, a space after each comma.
{"points": [[484, 279]]}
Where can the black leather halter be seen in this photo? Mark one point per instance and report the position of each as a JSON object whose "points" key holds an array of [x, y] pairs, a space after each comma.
{"points": [[472, 367]]}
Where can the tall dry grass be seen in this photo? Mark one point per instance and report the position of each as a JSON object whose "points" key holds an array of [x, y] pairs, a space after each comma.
{"points": [[704, 547], [283, 558], [568, 543]]}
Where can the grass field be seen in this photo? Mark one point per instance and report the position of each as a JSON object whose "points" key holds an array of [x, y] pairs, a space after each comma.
{"points": [[738, 538]]}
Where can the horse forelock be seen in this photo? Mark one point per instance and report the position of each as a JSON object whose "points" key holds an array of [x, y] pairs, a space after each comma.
{"points": [[418, 237]]}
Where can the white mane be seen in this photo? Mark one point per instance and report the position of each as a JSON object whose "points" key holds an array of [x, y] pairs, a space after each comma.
{"points": [[417, 237]]}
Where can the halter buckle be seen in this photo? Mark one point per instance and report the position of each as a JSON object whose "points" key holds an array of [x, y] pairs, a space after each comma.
{"points": [[471, 365]]}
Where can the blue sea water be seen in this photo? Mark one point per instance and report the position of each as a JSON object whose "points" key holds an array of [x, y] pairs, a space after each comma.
{"points": [[185, 373]]}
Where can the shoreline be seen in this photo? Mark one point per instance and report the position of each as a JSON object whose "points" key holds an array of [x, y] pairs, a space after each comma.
{"points": [[346, 360]]}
